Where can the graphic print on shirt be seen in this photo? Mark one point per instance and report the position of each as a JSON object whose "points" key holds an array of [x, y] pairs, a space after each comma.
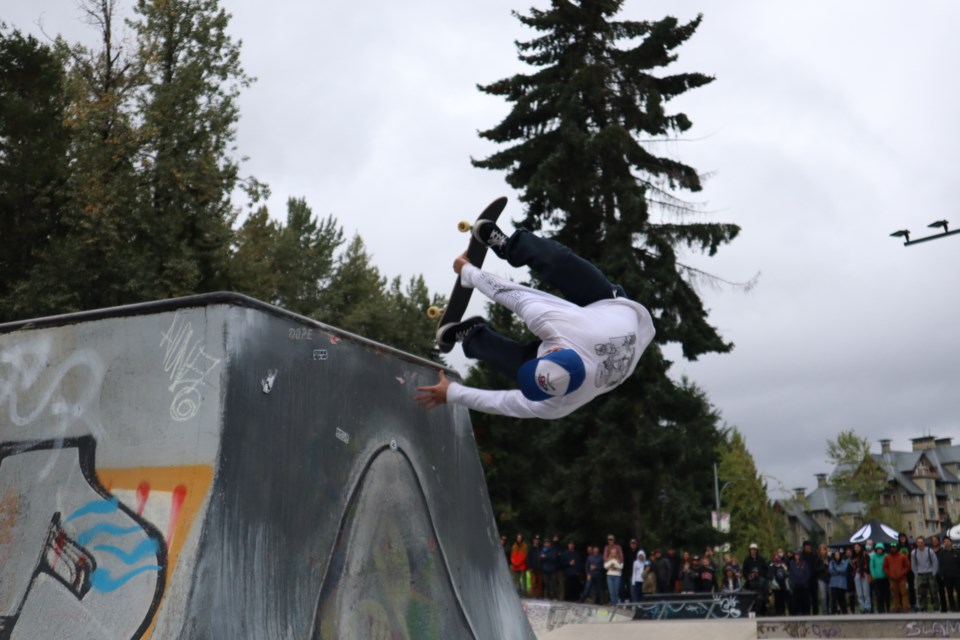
{"points": [[502, 292], [619, 354]]}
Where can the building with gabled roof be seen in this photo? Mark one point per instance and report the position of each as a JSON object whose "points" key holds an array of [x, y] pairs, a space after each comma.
{"points": [[923, 485]]}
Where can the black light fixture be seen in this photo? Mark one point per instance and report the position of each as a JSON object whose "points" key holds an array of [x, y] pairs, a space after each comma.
{"points": [[903, 233], [936, 224]]}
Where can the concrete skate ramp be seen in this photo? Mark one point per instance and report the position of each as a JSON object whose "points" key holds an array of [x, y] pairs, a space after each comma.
{"points": [[214, 467]]}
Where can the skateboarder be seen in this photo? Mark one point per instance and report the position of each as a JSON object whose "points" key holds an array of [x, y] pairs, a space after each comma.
{"points": [[587, 344]]}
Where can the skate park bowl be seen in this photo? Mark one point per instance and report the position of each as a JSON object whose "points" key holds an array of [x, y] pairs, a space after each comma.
{"points": [[216, 467]]}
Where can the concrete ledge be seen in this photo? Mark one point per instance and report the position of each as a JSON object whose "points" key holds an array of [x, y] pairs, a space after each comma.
{"points": [[920, 625], [659, 630]]}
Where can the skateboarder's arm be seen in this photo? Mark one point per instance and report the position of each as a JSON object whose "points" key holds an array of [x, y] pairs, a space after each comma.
{"points": [[508, 403]]}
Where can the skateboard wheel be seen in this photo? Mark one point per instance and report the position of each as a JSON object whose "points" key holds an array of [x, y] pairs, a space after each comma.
{"points": [[433, 312], [463, 226]]}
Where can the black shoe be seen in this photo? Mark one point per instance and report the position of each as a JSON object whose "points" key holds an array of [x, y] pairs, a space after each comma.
{"points": [[487, 232], [453, 332]]}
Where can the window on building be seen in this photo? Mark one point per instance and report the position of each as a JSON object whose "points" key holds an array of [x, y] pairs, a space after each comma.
{"points": [[929, 499]]}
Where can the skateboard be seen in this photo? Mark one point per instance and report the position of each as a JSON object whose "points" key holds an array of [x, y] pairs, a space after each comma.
{"points": [[460, 296]]}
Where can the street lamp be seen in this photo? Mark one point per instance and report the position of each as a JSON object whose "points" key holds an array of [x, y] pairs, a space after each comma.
{"points": [[936, 224]]}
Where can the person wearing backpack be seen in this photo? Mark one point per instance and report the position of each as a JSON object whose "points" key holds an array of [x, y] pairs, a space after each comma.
{"points": [[925, 568]]}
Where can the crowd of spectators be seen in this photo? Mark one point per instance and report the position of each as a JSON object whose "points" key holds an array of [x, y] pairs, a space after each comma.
{"points": [[905, 576]]}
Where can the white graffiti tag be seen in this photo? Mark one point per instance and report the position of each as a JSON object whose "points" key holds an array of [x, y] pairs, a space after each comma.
{"points": [[33, 388], [187, 364]]}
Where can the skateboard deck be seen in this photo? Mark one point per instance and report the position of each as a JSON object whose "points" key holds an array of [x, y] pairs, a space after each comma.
{"points": [[460, 296]]}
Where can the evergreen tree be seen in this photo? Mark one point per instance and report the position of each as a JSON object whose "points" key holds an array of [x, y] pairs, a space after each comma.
{"points": [[254, 260], [575, 150], [745, 499], [305, 256], [33, 159], [189, 110]]}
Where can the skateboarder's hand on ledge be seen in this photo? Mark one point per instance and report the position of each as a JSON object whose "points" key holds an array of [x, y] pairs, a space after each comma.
{"points": [[433, 396]]}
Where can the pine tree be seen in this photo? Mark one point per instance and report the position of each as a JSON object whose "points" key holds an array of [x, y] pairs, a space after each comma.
{"points": [[575, 149], [189, 109], [33, 160]]}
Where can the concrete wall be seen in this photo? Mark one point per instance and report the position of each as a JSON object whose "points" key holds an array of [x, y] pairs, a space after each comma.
{"points": [[216, 468]]}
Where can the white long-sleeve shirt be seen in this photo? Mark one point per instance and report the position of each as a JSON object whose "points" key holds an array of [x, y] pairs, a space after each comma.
{"points": [[608, 335]]}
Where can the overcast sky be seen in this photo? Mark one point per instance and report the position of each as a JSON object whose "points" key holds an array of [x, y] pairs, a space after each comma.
{"points": [[829, 126]]}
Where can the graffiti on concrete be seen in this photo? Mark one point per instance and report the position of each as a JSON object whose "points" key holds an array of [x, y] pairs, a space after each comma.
{"points": [[932, 629], [388, 577], [71, 547], [188, 367], [32, 390]]}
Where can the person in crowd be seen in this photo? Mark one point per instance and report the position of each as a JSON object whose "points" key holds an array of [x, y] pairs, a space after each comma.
{"points": [[897, 565], [822, 571], [712, 561], [880, 581], [674, 569], [810, 558], [706, 577], [903, 542], [860, 566], [663, 570], [535, 574], [592, 587], [759, 585], [779, 585], [837, 568], [518, 564], [737, 569], [626, 589], [852, 605], [572, 572], [798, 573], [550, 567], [649, 579], [754, 561], [636, 576], [936, 547], [949, 563], [613, 565], [731, 581], [688, 575], [923, 563]]}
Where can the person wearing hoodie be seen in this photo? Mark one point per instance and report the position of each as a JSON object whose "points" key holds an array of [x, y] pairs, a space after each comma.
{"points": [[636, 577], [897, 565], [778, 585], [880, 584], [838, 583], [798, 572]]}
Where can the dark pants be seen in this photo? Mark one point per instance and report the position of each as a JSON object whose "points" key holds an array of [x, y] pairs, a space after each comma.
{"points": [[592, 588], [881, 595], [838, 600], [942, 594], [557, 267], [779, 601], [572, 587], [801, 601], [551, 584], [951, 584]]}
